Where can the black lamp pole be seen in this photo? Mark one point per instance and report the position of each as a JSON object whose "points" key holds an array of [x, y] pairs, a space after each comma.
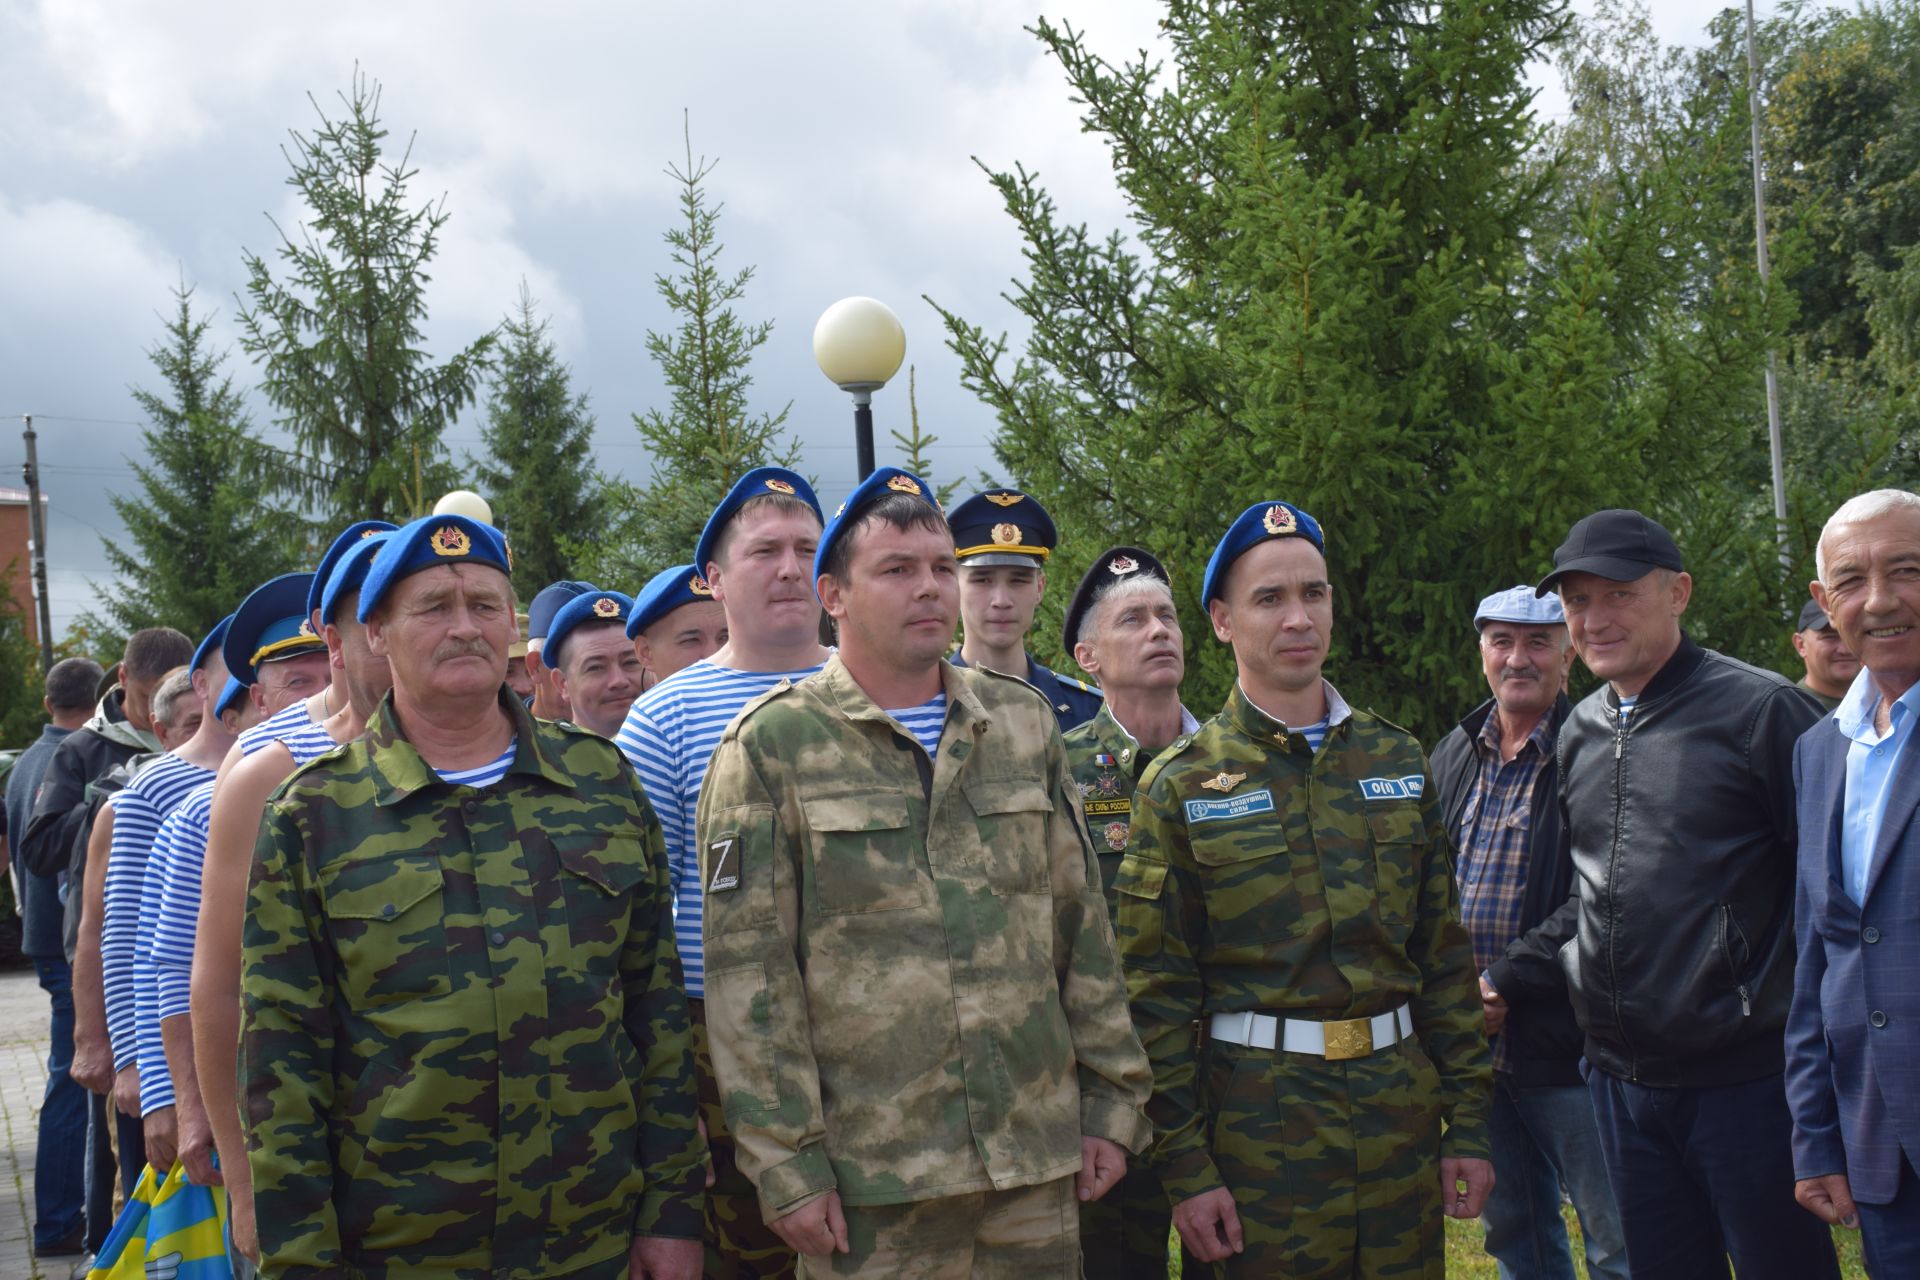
{"points": [[863, 431]]}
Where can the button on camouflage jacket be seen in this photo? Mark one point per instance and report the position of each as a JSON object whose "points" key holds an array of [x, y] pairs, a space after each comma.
{"points": [[911, 984], [1261, 876], [465, 1051]]}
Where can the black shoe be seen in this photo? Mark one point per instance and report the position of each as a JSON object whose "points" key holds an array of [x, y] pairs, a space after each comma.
{"points": [[81, 1268], [68, 1245]]}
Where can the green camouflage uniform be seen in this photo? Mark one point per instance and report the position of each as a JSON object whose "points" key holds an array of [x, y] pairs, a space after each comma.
{"points": [[1315, 885], [1123, 1234], [464, 1044], [911, 985]]}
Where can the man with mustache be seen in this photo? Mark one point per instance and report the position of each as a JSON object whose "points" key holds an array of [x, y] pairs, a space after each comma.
{"points": [[756, 553], [915, 1008], [1498, 785], [1122, 628], [464, 1047]]}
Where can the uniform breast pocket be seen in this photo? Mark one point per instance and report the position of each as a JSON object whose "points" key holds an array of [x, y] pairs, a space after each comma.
{"points": [[1011, 817], [864, 855], [389, 928], [1248, 881], [1399, 839], [598, 876]]}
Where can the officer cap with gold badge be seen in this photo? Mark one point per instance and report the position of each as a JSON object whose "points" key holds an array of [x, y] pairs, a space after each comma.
{"points": [[760, 482], [271, 625], [585, 609], [427, 543], [1003, 527], [1115, 564], [666, 591], [350, 537], [882, 483], [1261, 522]]}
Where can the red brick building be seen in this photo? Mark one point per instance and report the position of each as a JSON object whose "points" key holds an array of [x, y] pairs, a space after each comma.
{"points": [[16, 564]]}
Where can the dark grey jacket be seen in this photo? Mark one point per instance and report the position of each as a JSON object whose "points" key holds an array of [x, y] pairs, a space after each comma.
{"points": [[1677, 943]]}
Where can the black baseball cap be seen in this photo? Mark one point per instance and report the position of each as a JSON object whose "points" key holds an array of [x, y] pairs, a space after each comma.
{"points": [[1619, 545], [1812, 617]]}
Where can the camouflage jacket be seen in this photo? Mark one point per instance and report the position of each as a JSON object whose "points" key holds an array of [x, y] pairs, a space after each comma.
{"points": [[1262, 876], [912, 990], [1107, 762], [464, 1048]]}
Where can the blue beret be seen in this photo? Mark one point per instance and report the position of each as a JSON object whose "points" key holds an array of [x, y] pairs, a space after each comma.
{"points": [[1519, 604], [349, 538], [757, 483], [1002, 527], [1258, 523], [547, 601], [591, 606], [666, 591], [271, 623], [426, 542], [211, 645], [886, 480], [231, 693], [350, 571]]}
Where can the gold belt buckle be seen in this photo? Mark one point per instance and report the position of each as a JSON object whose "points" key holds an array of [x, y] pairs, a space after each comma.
{"points": [[1352, 1038]]}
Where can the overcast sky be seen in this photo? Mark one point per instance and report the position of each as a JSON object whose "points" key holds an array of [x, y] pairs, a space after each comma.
{"points": [[139, 144]]}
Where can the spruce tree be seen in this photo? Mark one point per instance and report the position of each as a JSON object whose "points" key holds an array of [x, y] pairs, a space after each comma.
{"points": [[202, 527], [538, 471], [338, 337], [707, 436]]}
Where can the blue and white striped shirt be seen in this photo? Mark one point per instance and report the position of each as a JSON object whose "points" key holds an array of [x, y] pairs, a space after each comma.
{"points": [[925, 722], [487, 774], [137, 813], [165, 923], [669, 737], [291, 725]]}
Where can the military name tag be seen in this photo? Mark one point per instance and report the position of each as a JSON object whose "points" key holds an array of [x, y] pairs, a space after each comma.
{"points": [[1232, 807], [1098, 807], [726, 866], [1410, 787]]}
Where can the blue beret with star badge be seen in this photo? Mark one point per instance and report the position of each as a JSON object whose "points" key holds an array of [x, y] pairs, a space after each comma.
{"points": [[757, 483], [587, 607], [272, 623], [1002, 527], [1261, 522], [883, 482], [426, 543], [666, 591]]}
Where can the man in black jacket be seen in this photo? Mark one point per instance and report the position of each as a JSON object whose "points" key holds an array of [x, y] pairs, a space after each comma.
{"points": [[1676, 788], [1498, 787]]}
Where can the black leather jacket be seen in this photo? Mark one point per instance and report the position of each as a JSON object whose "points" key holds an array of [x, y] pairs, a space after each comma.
{"points": [[1543, 1041], [1677, 943]]}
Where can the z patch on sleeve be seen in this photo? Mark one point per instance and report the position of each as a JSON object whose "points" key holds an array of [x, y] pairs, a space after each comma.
{"points": [[724, 856], [1410, 787]]}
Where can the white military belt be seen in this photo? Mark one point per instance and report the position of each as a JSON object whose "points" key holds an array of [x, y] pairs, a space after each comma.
{"points": [[1334, 1041]]}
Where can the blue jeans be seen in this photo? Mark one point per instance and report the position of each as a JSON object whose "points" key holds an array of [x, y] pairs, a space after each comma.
{"points": [[59, 1189], [1544, 1137], [1701, 1173]]}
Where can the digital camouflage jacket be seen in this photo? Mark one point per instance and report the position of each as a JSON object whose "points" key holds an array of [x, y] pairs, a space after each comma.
{"points": [[1263, 877], [911, 984], [465, 1051]]}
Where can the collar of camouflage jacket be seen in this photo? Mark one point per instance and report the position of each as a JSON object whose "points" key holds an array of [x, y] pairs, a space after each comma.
{"points": [[399, 770], [1123, 746], [855, 703], [1255, 723]]}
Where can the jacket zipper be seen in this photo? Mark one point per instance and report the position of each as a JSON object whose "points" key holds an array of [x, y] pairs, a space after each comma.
{"points": [[1613, 863], [1728, 927]]}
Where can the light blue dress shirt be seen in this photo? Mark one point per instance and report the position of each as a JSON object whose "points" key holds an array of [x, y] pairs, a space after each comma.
{"points": [[1872, 761]]}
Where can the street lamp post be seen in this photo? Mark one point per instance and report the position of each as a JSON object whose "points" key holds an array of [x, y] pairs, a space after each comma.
{"points": [[859, 344]]}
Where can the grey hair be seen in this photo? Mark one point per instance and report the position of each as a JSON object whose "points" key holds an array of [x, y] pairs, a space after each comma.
{"points": [[170, 699], [1120, 589], [1858, 510]]}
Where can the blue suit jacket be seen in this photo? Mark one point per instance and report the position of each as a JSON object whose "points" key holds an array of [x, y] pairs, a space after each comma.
{"points": [[1853, 1035]]}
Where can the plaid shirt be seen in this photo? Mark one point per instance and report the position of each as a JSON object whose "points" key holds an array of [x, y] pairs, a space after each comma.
{"points": [[1492, 837]]}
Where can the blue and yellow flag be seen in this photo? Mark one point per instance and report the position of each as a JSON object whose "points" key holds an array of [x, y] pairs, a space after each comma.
{"points": [[170, 1230]]}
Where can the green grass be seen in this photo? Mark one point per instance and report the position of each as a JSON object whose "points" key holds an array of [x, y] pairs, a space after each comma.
{"points": [[1466, 1260]]}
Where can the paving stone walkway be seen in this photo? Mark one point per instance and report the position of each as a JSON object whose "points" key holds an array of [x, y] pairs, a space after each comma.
{"points": [[23, 1081]]}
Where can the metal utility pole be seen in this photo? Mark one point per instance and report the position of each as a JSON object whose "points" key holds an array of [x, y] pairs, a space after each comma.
{"points": [[1766, 272], [37, 525]]}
